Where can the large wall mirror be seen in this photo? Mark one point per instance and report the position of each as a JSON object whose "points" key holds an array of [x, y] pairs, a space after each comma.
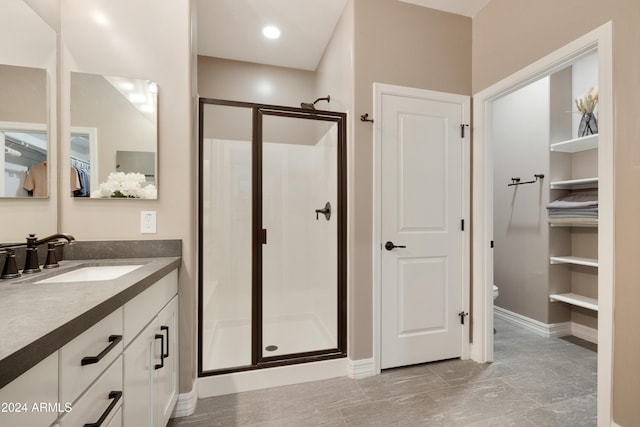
{"points": [[114, 137], [27, 52]]}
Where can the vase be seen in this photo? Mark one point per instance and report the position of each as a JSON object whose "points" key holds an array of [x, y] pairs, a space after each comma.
{"points": [[588, 125]]}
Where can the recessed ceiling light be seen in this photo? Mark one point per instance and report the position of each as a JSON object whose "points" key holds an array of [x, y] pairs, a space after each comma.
{"points": [[271, 32]]}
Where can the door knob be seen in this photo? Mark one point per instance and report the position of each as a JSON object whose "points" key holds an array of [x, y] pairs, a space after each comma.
{"points": [[390, 246]]}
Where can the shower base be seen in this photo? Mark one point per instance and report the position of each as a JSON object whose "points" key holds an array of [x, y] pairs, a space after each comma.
{"points": [[230, 345]]}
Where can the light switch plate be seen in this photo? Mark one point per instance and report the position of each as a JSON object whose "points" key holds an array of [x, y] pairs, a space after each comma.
{"points": [[148, 222]]}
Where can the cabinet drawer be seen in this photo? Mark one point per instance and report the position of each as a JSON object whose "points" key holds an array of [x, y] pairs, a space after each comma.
{"points": [[83, 359], [101, 402], [37, 386], [142, 309]]}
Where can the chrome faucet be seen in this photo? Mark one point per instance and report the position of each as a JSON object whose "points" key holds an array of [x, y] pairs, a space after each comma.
{"points": [[31, 264]]}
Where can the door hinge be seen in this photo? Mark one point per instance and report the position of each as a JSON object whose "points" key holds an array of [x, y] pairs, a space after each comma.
{"points": [[462, 130], [462, 224], [462, 315], [262, 236], [491, 244]]}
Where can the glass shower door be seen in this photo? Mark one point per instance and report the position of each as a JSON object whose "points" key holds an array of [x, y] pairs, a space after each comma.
{"points": [[226, 237], [299, 252], [272, 236]]}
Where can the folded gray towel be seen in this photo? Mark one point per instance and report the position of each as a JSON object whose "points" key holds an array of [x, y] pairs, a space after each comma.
{"points": [[576, 199]]}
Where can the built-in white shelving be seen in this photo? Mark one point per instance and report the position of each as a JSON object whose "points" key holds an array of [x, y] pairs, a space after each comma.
{"points": [[574, 184], [575, 299], [589, 262], [576, 145]]}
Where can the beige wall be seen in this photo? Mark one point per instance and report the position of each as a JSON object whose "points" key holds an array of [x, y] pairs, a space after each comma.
{"points": [[38, 50], [510, 34], [520, 135], [334, 74], [335, 77], [249, 82], [24, 94], [141, 40], [401, 44]]}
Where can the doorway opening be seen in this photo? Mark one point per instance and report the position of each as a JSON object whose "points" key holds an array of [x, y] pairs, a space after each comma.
{"points": [[573, 164]]}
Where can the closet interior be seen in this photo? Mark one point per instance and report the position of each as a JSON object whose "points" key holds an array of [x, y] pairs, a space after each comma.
{"points": [[23, 163], [545, 146]]}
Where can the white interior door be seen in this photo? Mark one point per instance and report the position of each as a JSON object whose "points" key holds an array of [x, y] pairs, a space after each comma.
{"points": [[423, 199]]}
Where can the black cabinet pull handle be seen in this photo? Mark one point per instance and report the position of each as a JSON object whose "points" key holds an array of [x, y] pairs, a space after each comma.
{"points": [[390, 246], [166, 328], [115, 395], [113, 339], [161, 364]]}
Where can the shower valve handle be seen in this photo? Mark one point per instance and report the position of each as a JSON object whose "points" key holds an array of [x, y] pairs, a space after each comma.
{"points": [[326, 211], [390, 246]]}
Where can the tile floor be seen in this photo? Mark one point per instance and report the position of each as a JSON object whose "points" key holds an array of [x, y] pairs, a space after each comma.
{"points": [[534, 381]]}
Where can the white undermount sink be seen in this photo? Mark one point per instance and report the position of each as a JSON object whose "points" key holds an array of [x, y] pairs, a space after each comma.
{"points": [[92, 274]]}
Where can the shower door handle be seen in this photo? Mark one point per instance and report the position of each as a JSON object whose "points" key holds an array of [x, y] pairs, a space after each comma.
{"points": [[390, 246]]}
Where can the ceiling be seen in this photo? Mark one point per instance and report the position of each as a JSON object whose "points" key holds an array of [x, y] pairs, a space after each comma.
{"points": [[232, 29], [460, 7]]}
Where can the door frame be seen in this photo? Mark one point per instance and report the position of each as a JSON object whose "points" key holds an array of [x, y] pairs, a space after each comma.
{"points": [[379, 90], [599, 39]]}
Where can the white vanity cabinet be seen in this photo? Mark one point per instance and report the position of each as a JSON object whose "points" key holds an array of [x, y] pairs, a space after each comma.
{"points": [[122, 371], [167, 376], [100, 403], [36, 386], [88, 355], [151, 355]]}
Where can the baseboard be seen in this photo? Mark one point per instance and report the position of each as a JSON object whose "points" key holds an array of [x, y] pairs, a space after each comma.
{"points": [[186, 404], [542, 329], [584, 332], [361, 368], [548, 330]]}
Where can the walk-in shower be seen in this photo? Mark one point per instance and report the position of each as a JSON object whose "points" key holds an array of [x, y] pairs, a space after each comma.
{"points": [[272, 233]]}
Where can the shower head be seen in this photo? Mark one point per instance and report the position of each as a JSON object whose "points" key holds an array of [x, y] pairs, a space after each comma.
{"points": [[312, 106]]}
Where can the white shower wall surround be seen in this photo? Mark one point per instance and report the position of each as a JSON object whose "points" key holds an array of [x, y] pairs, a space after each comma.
{"points": [[299, 273]]}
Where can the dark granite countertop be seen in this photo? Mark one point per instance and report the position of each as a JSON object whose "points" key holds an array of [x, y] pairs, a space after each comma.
{"points": [[38, 319]]}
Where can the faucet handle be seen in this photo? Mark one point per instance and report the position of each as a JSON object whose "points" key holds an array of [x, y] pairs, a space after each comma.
{"points": [[31, 239], [52, 260], [10, 270]]}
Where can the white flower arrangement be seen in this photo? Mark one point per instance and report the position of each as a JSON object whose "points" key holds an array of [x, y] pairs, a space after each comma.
{"points": [[126, 185]]}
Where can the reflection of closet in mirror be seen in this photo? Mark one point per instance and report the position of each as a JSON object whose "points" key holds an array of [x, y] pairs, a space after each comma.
{"points": [[23, 131], [24, 163], [123, 112], [84, 154]]}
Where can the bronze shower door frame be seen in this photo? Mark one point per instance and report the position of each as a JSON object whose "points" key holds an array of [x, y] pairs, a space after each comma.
{"points": [[259, 111]]}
